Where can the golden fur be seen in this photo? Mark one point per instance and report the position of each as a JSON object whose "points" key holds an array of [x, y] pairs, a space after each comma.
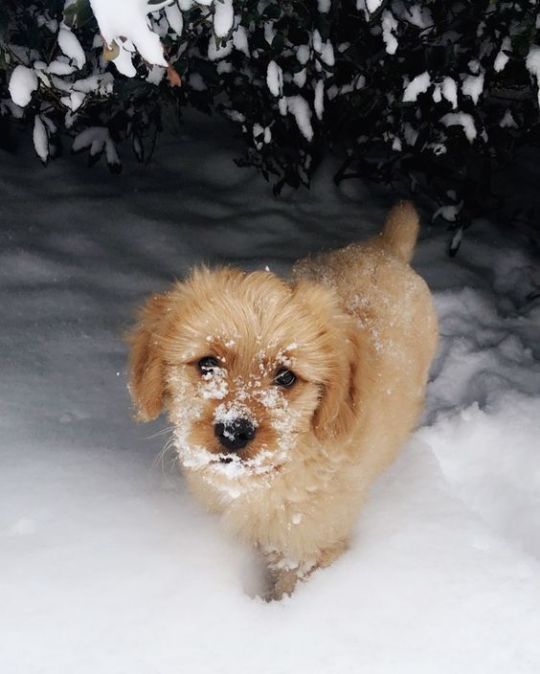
{"points": [[358, 329]]}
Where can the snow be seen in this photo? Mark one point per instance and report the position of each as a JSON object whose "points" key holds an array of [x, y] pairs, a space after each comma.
{"points": [[97, 139], [373, 5], [300, 78], [508, 121], [533, 66], [127, 19], [318, 102], [462, 119], [100, 84], [418, 85], [327, 54], [274, 78], [389, 27], [71, 47], [22, 84], [298, 106], [74, 101], [417, 15], [217, 50], [108, 565], [303, 54], [324, 49], [240, 40], [502, 57], [40, 139], [472, 86], [223, 17], [449, 212], [124, 62], [449, 91], [261, 134], [175, 18], [58, 67]]}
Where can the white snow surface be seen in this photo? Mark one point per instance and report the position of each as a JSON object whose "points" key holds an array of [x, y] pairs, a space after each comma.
{"points": [[109, 566]]}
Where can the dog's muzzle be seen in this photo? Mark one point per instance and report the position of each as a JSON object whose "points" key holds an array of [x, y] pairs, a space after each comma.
{"points": [[235, 435]]}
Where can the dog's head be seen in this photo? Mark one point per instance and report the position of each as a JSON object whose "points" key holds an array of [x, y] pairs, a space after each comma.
{"points": [[247, 366]]}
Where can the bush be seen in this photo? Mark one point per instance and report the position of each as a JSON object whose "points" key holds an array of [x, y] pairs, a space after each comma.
{"points": [[437, 94]]}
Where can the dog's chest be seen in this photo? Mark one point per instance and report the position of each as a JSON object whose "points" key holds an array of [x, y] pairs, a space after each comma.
{"points": [[288, 512]]}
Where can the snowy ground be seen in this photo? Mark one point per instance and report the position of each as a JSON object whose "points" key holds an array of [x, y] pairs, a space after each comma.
{"points": [[107, 566]]}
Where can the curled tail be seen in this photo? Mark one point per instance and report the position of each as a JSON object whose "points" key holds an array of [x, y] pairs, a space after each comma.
{"points": [[400, 230]]}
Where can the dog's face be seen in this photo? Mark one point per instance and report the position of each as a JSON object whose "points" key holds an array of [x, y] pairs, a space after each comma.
{"points": [[247, 367]]}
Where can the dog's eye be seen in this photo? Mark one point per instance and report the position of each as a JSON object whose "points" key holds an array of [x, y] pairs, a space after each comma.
{"points": [[285, 378], [207, 364]]}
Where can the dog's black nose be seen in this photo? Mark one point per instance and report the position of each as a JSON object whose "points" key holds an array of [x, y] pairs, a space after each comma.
{"points": [[236, 434]]}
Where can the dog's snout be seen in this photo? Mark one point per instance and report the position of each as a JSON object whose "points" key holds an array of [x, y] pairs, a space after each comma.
{"points": [[236, 434]]}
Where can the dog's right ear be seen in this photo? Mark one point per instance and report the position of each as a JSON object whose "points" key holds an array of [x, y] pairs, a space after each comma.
{"points": [[146, 366]]}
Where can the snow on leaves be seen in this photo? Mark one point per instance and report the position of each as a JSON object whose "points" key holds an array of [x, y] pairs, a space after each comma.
{"points": [[274, 78], [71, 47], [223, 17], [22, 84], [41, 139], [533, 66], [418, 85], [97, 140], [393, 77]]}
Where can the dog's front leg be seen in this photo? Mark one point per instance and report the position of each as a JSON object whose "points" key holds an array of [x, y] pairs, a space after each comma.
{"points": [[283, 574]]}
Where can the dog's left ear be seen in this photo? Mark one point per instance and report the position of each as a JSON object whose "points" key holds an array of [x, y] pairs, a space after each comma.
{"points": [[339, 348], [146, 367], [338, 408]]}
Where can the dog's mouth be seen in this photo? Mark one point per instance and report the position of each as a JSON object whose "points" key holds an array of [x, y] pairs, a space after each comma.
{"points": [[227, 458], [231, 465], [235, 464]]}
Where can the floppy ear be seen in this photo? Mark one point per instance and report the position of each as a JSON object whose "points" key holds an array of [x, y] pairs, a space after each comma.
{"points": [[338, 408], [146, 367]]}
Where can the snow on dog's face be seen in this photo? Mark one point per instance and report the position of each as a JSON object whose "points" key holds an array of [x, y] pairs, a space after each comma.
{"points": [[246, 366]]}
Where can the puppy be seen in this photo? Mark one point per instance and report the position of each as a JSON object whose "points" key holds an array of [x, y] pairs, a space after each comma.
{"points": [[287, 398]]}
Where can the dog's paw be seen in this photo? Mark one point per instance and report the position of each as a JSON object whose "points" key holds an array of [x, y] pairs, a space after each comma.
{"points": [[280, 584]]}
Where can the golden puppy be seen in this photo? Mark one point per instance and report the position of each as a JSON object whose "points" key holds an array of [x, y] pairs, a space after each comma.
{"points": [[288, 397]]}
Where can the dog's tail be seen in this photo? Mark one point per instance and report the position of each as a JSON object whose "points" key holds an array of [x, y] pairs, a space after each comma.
{"points": [[400, 230]]}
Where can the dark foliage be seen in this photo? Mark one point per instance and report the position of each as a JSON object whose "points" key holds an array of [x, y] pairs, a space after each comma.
{"points": [[298, 78]]}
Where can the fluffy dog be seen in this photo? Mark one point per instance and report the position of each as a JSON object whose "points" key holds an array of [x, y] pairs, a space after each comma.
{"points": [[288, 397]]}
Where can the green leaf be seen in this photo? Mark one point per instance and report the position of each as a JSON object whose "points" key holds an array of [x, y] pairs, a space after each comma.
{"points": [[77, 13]]}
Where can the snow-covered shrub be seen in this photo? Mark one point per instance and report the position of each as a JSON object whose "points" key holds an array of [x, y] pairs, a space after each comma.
{"points": [[437, 92]]}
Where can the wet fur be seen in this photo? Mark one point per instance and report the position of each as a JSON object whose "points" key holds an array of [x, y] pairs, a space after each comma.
{"points": [[358, 328]]}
